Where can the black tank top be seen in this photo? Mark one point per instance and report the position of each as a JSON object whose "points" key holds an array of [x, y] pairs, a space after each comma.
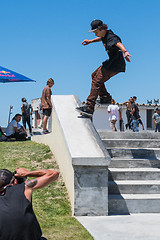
{"points": [[17, 219]]}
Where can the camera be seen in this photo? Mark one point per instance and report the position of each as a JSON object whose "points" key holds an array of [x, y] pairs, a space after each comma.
{"points": [[19, 179]]}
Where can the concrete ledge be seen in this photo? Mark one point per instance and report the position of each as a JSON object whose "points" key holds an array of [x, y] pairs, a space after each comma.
{"points": [[104, 134], [82, 157]]}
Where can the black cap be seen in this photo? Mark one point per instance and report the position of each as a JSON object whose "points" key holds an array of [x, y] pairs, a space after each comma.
{"points": [[24, 99], [18, 114], [5, 177], [95, 24]]}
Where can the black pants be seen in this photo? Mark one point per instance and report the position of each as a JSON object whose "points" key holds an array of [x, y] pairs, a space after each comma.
{"points": [[19, 136], [128, 118], [26, 119]]}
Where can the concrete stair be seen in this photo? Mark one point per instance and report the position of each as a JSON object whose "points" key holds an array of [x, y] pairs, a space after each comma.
{"points": [[134, 172]]}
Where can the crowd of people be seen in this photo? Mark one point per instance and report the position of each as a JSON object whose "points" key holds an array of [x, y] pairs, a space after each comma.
{"points": [[17, 131], [17, 218], [132, 114]]}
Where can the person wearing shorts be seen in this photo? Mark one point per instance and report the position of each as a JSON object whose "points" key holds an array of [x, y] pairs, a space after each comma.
{"points": [[46, 103]]}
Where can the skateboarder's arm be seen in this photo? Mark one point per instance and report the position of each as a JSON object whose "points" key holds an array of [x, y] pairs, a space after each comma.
{"points": [[86, 41], [126, 53]]}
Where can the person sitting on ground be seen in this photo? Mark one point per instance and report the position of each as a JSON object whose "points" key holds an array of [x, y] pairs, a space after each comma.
{"points": [[27, 110], [2, 135], [113, 111], [156, 119], [17, 218], [14, 131]]}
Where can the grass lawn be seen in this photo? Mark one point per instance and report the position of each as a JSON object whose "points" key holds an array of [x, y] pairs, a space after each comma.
{"points": [[50, 204]]}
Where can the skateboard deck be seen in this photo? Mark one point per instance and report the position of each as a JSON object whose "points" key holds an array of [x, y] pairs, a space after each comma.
{"points": [[84, 114]]}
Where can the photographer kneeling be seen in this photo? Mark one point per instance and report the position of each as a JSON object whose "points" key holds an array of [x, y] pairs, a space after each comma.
{"points": [[17, 218]]}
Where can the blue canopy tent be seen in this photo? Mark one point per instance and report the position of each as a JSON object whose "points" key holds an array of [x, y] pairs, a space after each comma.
{"points": [[7, 76]]}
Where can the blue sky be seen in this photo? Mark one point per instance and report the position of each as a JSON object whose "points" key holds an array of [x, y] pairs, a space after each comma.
{"points": [[42, 39]]}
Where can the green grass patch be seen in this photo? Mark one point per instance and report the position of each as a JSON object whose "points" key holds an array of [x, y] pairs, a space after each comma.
{"points": [[50, 204]]}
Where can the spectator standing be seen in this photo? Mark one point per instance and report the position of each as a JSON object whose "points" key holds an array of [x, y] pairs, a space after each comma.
{"points": [[128, 111], [156, 119], [140, 122], [40, 111], [139, 117], [134, 116], [27, 110], [135, 99], [46, 103], [114, 113]]}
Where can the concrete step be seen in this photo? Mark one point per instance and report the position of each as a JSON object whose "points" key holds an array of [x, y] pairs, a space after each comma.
{"points": [[132, 143], [134, 163], [134, 187], [129, 135], [134, 203], [145, 153], [134, 174]]}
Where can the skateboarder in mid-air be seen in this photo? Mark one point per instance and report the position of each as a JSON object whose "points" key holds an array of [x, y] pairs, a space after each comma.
{"points": [[114, 65]]}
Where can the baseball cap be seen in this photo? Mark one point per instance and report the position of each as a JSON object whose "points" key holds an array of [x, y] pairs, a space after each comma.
{"points": [[24, 99], [95, 24], [5, 177]]}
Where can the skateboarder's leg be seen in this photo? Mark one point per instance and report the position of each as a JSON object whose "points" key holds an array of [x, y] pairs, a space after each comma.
{"points": [[100, 76], [105, 96]]}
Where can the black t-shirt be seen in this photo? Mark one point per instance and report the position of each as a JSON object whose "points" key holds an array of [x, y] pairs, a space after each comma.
{"points": [[26, 108], [116, 60], [135, 115], [17, 219]]}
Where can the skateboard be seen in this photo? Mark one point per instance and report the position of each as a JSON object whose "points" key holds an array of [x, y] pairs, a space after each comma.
{"points": [[84, 114]]}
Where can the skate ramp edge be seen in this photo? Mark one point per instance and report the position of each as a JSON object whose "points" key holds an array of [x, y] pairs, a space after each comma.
{"points": [[81, 156]]}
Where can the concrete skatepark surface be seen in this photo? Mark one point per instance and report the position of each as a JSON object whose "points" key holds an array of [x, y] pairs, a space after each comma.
{"points": [[123, 227], [131, 157]]}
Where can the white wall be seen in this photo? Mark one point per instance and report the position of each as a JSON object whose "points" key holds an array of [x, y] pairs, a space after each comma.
{"points": [[101, 116]]}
